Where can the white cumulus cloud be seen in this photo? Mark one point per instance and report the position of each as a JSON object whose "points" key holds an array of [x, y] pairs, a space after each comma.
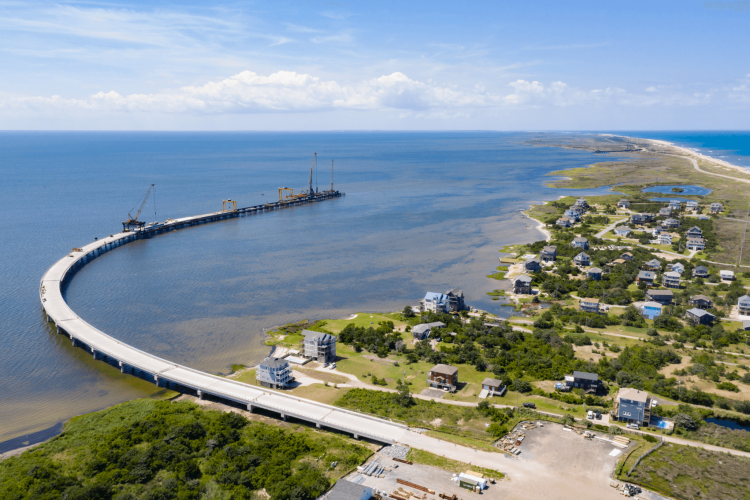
{"points": [[289, 91]]}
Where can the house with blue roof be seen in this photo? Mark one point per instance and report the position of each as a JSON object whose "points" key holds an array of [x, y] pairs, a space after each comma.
{"points": [[651, 310]]}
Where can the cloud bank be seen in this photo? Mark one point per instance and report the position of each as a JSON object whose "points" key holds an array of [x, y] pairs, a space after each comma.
{"points": [[292, 92]]}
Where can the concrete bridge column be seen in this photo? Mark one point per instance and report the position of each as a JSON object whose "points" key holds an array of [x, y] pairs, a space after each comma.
{"points": [[93, 352], [356, 436], [200, 394], [250, 408], [283, 417], [73, 340], [317, 424], [122, 367], [156, 380]]}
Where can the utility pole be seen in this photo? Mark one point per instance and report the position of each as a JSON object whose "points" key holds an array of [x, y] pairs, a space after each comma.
{"points": [[747, 219], [518, 363]]}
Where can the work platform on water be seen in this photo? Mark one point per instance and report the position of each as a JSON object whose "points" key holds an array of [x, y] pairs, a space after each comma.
{"points": [[168, 374]]}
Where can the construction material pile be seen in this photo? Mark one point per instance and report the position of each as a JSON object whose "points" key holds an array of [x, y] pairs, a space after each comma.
{"points": [[630, 490], [511, 443], [395, 451]]}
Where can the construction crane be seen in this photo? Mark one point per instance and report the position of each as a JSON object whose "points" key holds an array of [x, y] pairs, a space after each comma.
{"points": [[310, 190], [133, 223]]}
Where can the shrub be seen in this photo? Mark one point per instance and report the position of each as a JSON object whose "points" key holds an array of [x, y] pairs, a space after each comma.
{"points": [[521, 386], [615, 430], [727, 386]]}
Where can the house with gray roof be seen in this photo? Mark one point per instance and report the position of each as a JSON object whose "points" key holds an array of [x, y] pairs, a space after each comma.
{"points": [[647, 277], [623, 204], [671, 279], [716, 208], [443, 377], [455, 300], [522, 284], [665, 212], [274, 373], [632, 406], [532, 265], [589, 304], [694, 232], [589, 382], [699, 317], [623, 231], [700, 272], [318, 346], [701, 301], [347, 490], [670, 223], [696, 244], [661, 296], [582, 259], [692, 205], [594, 273], [743, 305], [652, 265], [674, 204], [580, 242], [549, 253], [563, 222]]}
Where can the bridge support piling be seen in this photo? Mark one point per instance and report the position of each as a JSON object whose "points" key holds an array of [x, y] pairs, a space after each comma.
{"points": [[250, 408], [200, 394], [283, 417], [317, 424], [122, 367]]}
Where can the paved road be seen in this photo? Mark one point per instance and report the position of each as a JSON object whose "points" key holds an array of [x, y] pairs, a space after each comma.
{"points": [[609, 228]]}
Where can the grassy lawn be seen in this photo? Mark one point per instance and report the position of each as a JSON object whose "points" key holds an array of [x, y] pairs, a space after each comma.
{"points": [[364, 368], [427, 458], [687, 472], [331, 378], [363, 319]]}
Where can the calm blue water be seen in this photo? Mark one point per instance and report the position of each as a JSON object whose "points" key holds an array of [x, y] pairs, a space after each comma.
{"points": [[731, 424], [422, 211], [669, 199], [731, 146], [687, 190]]}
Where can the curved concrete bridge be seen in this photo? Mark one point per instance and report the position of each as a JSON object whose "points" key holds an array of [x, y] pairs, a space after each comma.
{"points": [[169, 374]]}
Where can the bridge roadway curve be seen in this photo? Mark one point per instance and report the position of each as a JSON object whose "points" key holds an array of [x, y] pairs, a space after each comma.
{"points": [[164, 372]]}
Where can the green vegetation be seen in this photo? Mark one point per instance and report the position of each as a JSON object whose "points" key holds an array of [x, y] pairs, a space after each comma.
{"points": [[687, 473], [159, 450], [446, 464], [452, 422]]}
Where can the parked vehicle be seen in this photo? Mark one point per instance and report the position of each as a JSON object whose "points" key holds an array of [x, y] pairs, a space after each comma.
{"points": [[598, 416], [653, 404], [590, 415], [633, 426], [529, 405], [333, 366]]}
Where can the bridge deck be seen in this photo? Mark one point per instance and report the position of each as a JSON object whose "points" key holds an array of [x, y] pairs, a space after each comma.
{"points": [[65, 318]]}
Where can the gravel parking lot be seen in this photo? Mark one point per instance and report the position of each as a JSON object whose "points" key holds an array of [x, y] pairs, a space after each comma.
{"points": [[569, 453]]}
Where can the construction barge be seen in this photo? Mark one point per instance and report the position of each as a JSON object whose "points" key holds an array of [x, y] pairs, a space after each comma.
{"points": [[228, 212], [141, 229]]}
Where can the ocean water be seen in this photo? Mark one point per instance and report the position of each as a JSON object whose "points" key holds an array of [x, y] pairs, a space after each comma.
{"points": [[422, 211], [731, 146]]}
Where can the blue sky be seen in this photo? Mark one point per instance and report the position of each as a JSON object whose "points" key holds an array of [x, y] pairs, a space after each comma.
{"points": [[310, 65]]}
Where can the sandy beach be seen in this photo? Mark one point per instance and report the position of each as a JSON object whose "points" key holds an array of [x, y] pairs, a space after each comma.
{"points": [[690, 153]]}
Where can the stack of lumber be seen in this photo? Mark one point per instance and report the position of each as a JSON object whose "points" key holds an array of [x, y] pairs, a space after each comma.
{"points": [[621, 441]]}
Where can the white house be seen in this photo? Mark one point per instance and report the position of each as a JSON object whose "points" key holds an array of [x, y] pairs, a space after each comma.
{"points": [[623, 231], [436, 302], [727, 275], [716, 208], [692, 205], [664, 239], [671, 279]]}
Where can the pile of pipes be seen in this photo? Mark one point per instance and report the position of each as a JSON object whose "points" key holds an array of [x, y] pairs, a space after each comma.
{"points": [[374, 469]]}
